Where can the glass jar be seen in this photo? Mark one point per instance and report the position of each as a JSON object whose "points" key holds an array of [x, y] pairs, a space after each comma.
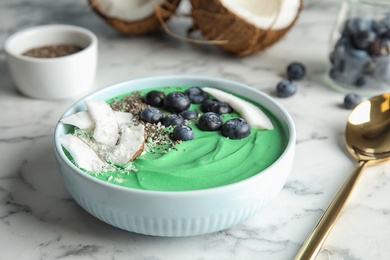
{"points": [[359, 56]]}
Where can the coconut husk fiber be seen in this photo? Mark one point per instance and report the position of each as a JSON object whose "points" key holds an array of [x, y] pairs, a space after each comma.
{"points": [[240, 37], [140, 27]]}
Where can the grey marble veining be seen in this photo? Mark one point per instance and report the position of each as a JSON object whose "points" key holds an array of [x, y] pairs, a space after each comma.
{"points": [[39, 219]]}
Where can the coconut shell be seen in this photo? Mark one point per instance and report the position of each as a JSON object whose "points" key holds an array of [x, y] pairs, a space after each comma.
{"points": [[219, 24], [140, 27]]}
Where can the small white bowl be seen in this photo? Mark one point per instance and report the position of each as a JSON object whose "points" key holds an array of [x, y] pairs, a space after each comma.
{"points": [[52, 78], [179, 213]]}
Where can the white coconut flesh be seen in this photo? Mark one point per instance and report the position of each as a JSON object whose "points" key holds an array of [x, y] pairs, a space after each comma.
{"points": [[127, 10], [83, 120], [106, 127], [265, 14], [82, 153], [130, 143], [252, 114], [80, 119], [118, 145]]}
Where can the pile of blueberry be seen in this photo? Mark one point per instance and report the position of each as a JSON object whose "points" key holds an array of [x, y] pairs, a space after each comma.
{"points": [[177, 105], [360, 57], [288, 87]]}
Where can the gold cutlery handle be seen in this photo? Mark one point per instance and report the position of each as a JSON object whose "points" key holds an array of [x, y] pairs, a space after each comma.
{"points": [[316, 239]]}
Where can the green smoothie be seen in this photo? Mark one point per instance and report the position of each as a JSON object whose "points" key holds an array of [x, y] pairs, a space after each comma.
{"points": [[209, 160]]}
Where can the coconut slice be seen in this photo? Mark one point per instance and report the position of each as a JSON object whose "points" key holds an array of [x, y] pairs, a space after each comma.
{"points": [[130, 145], [123, 117], [82, 154], [80, 119], [246, 26], [253, 115], [134, 17], [106, 126], [83, 119]]}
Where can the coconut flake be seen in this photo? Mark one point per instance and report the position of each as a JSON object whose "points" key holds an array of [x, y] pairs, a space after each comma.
{"points": [[254, 116], [83, 119], [106, 126], [82, 154], [123, 117], [80, 119], [130, 145]]}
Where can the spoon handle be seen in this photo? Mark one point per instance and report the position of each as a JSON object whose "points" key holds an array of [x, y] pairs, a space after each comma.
{"points": [[316, 239]]}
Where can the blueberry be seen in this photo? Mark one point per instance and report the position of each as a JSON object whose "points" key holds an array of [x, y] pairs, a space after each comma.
{"points": [[188, 114], [359, 54], [360, 82], [236, 128], [363, 39], [351, 100], [151, 115], [196, 95], [173, 119], [210, 121], [222, 108], [212, 105], [176, 102], [382, 68], [351, 66], [355, 25], [379, 27], [381, 46], [334, 73], [155, 98], [343, 43], [183, 132], [386, 22], [286, 88], [208, 104], [296, 71], [337, 59]]}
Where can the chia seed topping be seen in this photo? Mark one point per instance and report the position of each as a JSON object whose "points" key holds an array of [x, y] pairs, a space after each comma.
{"points": [[157, 138]]}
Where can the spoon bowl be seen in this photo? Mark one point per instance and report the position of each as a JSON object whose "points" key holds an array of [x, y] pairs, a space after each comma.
{"points": [[367, 137], [367, 133]]}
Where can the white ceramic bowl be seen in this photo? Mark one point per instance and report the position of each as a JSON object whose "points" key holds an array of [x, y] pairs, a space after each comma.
{"points": [[183, 213], [52, 78]]}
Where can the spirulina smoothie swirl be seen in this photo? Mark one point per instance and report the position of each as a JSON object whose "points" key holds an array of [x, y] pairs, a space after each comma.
{"points": [[209, 160]]}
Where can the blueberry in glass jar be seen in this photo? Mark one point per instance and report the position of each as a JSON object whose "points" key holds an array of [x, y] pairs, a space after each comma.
{"points": [[355, 25], [363, 39], [360, 57]]}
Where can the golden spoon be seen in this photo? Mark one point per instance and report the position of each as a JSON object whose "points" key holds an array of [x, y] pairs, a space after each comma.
{"points": [[368, 141]]}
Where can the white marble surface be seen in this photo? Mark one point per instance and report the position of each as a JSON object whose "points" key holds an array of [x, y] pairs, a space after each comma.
{"points": [[39, 220]]}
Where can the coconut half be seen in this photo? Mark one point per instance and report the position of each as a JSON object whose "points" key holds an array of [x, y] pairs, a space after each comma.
{"points": [[245, 26], [134, 17]]}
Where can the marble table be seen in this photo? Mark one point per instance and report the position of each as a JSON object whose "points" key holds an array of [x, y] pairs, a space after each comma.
{"points": [[39, 219]]}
